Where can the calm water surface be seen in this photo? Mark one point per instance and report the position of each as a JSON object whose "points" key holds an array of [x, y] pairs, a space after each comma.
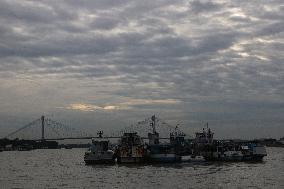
{"points": [[65, 168]]}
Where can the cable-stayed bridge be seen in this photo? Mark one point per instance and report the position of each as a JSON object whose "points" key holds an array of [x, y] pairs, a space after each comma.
{"points": [[45, 128]]}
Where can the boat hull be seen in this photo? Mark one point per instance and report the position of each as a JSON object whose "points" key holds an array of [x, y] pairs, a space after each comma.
{"points": [[99, 161], [236, 158], [253, 158], [99, 157], [130, 160], [196, 159], [164, 158]]}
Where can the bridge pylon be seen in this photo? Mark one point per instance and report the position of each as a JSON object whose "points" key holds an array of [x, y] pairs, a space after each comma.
{"points": [[42, 128]]}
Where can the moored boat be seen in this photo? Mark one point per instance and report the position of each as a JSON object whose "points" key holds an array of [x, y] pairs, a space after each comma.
{"points": [[99, 152], [157, 152], [245, 151], [222, 150], [130, 149]]}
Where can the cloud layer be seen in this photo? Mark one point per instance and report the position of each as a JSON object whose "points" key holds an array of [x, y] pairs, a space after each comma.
{"points": [[185, 60]]}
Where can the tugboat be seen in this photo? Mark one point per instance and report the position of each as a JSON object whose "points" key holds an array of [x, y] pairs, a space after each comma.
{"points": [[157, 152], [99, 152], [130, 149]]}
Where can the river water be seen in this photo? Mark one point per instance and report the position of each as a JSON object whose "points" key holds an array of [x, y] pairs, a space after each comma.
{"points": [[65, 168]]}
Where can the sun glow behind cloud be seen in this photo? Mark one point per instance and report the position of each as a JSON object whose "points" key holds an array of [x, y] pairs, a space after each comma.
{"points": [[120, 106], [83, 107], [90, 108]]}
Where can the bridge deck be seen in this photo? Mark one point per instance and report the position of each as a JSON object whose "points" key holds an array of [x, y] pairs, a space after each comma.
{"points": [[66, 138]]}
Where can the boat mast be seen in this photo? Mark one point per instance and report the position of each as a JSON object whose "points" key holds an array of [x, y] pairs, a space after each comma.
{"points": [[153, 137], [153, 124], [42, 128]]}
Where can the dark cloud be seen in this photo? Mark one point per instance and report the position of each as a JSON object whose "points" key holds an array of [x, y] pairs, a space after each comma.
{"points": [[59, 46], [203, 6], [98, 4], [272, 29], [104, 23], [25, 12]]}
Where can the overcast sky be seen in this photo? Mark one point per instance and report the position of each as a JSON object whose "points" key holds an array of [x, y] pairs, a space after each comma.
{"points": [[105, 64]]}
